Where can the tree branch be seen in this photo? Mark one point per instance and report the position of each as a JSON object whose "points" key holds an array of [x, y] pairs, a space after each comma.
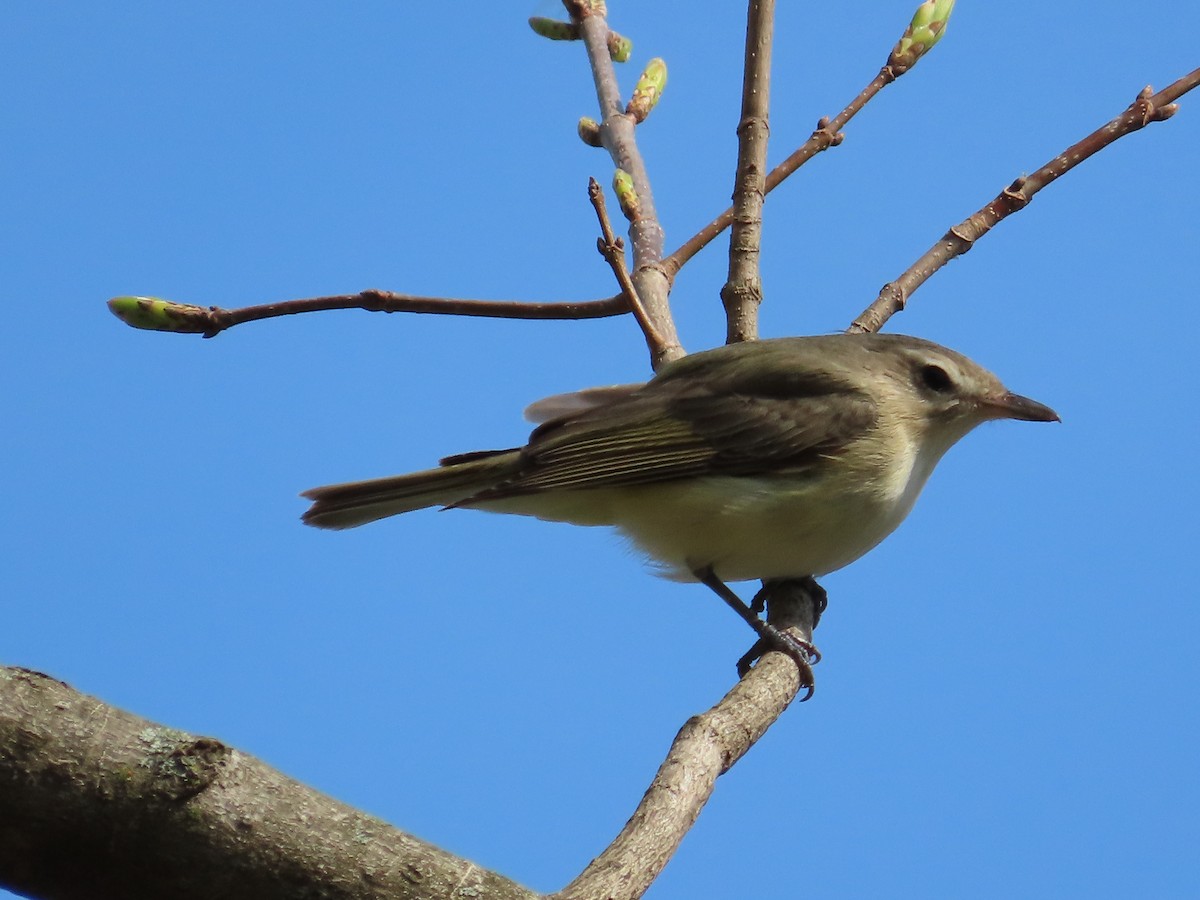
{"points": [[142, 810], [706, 747], [98, 803], [742, 292], [612, 248], [166, 315], [1148, 107], [617, 137]]}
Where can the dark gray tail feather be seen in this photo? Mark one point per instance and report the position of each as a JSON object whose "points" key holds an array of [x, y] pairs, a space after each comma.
{"points": [[358, 502]]}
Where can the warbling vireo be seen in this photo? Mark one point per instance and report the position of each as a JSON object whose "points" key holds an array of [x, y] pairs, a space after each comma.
{"points": [[774, 459]]}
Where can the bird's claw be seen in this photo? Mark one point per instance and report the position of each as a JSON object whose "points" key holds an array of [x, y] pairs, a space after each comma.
{"points": [[803, 653]]}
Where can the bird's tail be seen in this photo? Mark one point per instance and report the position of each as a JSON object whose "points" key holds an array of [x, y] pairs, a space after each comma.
{"points": [[455, 480]]}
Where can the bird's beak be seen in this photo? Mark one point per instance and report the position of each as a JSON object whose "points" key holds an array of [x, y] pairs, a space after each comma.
{"points": [[1014, 406]]}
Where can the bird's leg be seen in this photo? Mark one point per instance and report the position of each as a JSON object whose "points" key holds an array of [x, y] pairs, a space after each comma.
{"points": [[802, 652], [791, 602], [812, 591]]}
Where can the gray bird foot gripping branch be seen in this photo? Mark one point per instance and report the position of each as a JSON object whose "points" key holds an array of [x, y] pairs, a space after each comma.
{"points": [[803, 652]]}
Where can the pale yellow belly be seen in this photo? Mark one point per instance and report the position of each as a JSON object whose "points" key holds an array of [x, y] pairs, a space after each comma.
{"points": [[745, 528], [748, 530]]}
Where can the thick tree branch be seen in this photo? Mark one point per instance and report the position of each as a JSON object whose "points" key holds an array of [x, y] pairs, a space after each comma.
{"points": [[1148, 107], [742, 292], [96, 803], [142, 810]]}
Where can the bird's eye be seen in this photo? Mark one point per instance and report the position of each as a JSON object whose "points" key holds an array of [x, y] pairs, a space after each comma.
{"points": [[936, 378]]}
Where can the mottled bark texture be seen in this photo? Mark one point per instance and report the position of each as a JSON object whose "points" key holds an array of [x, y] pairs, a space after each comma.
{"points": [[97, 803]]}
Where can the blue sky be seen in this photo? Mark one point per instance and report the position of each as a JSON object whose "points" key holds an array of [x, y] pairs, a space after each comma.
{"points": [[1007, 702]]}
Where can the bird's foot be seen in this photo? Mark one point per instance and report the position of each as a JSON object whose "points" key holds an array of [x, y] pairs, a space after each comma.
{"points": [[802, 652]]}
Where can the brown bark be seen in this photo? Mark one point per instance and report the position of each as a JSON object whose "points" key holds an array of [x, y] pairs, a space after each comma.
{"points": [[98, 803]]}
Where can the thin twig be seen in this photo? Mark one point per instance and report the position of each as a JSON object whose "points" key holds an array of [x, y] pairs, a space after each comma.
{"points": [[612, 248], [742, 292], [828, 134], [1148, 107], [212, 320], [617, 137]]}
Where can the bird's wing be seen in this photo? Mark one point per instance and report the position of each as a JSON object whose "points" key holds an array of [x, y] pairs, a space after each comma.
{"points": [[685, 427]]}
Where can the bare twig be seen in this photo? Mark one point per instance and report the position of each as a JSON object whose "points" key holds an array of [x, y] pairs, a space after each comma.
{"points": [[1148, 107], [742, 292], [617, 136], [706, 747], [165, 315], [612, 248]]}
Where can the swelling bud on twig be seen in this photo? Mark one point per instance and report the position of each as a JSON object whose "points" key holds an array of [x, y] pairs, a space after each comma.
{"points": [[648, 90], [627, 196], [619, 47], [589, 131], [553, 29], [926, 29], [155, 314]]}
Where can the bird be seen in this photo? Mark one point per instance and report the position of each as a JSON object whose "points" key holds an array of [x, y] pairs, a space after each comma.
{"points": [[783, 458]]}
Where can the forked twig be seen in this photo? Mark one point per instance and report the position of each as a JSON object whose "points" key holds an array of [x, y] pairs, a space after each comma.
{"points": [[616, 134], [612, 248]]}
